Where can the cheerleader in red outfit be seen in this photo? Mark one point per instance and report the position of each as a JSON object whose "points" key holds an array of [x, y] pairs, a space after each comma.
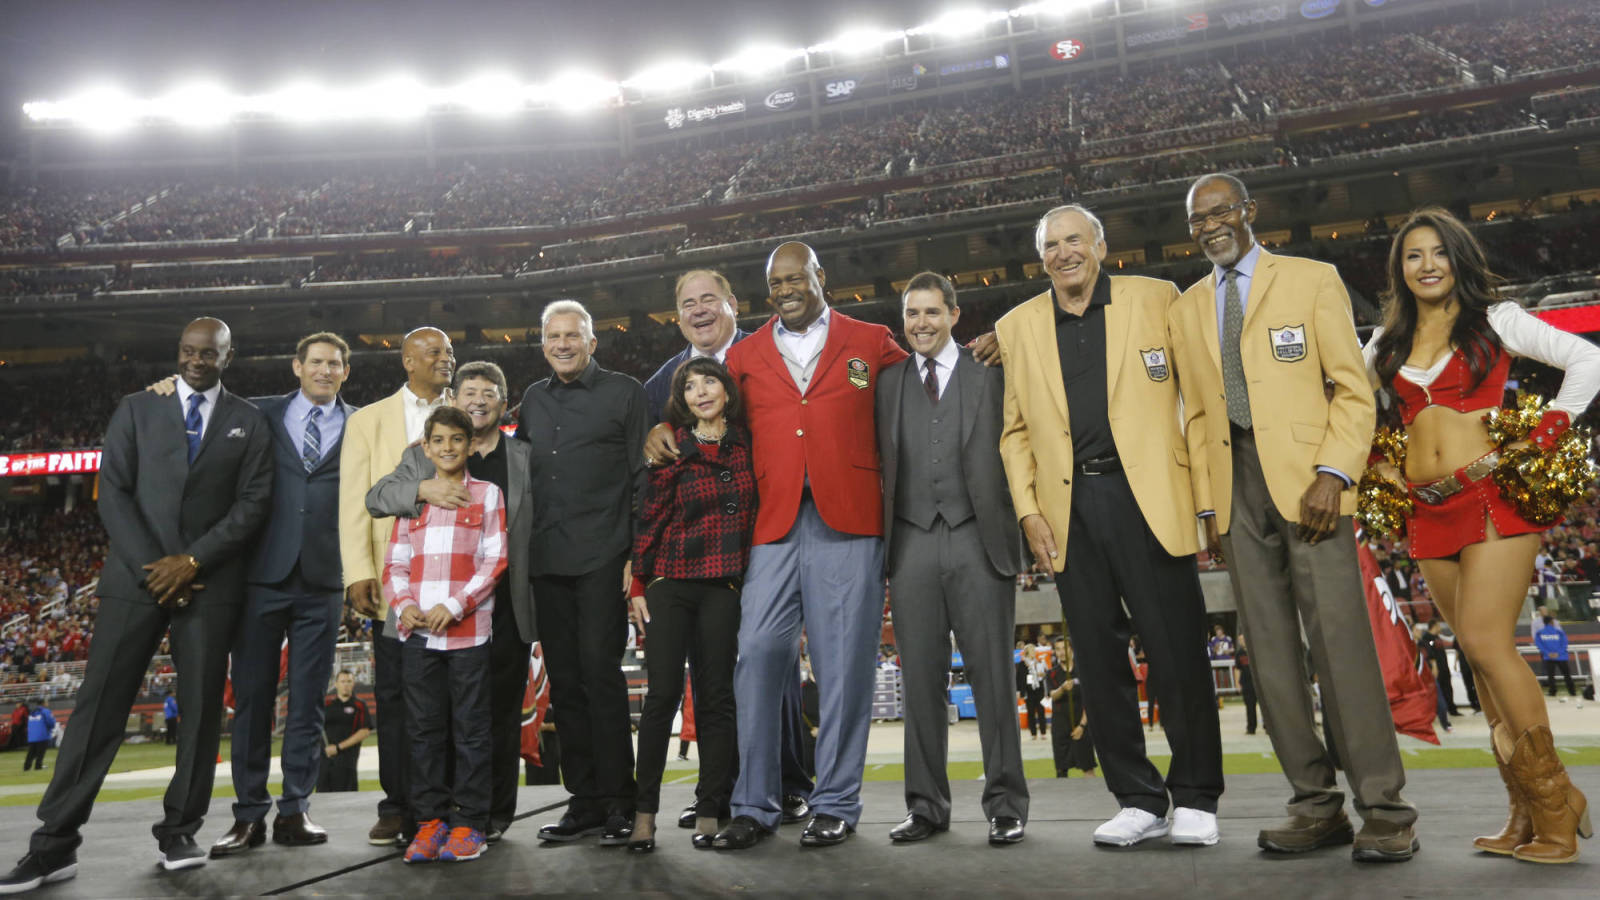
{"points": [[1440, 361]]}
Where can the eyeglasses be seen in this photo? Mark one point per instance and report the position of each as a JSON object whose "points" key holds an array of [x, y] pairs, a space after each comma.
{"points": [[1201, 220]]}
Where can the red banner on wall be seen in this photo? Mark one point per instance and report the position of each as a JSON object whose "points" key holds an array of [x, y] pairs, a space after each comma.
{"points": [[53, 462], [1412, 700]]}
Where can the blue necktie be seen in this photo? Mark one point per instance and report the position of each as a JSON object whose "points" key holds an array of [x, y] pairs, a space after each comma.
{"points": [[192, 424], [311, 448]]}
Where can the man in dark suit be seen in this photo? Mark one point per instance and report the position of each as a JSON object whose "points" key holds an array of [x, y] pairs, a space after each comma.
{"points": [[953, 551], [481, 392], [185, 484], [296, 590], [707, 316]]}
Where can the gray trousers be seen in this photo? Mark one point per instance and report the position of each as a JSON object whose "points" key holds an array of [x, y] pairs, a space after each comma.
{"points": [[1283, 585], [831, 584], [941, 580]]}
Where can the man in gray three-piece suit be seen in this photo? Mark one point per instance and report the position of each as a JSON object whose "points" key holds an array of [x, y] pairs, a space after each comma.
{"points": [[185, 484], [953, 554], [296, 592]]}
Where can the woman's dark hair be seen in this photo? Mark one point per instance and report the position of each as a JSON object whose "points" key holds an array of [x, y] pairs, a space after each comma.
{"points": [[1476, 290], [678, 411]]}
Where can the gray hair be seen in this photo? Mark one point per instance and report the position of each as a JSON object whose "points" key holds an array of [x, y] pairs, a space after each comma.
{"points": [[1047, 218], [568, 307], [1239, 190]]}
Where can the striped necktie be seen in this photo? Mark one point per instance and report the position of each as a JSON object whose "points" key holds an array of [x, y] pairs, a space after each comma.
{"points": [[193, 425], [311, 447], [1233, 381]]}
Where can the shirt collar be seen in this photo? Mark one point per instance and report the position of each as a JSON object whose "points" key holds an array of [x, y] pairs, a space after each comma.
{"points": [[718, 354], [946, 357], [1246, 266], [1100, 296], [211, 394], [821, 322], [300, 405], [585, 378], [413, 400]]}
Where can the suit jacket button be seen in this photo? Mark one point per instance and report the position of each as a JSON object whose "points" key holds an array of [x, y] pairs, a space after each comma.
{"points": [[799, 432], [726, 476], [731, 508], [804, 401], [1224, 443], [1066, 481]]}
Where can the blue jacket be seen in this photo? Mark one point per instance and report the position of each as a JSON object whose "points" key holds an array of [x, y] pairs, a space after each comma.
{"points": [[658, 388], [303, 523], [169, 709], [41, 724], [1551, 641]]}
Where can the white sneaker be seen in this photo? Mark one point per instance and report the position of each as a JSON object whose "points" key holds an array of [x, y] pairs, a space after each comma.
{"points": [[1129, 827], [1194, 827]]}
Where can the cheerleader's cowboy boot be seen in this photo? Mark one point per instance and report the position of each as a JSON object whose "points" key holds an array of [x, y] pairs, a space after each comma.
{"points": [[1518, 829], [1559, 811]]}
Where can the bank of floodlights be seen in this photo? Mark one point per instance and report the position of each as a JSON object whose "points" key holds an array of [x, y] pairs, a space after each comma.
{"points": [[400, 98]]}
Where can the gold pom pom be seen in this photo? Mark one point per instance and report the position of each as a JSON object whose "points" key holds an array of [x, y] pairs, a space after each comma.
{"points": [[1382, 506], [1391, 442], [1540, 485]]}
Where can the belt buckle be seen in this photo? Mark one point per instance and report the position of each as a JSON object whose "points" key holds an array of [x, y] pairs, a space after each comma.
{"points": [[1429, 494]]}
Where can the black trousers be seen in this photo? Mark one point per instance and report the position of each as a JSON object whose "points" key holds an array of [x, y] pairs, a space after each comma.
{"points": [[127, 633], [389, 707], [508, 681], [583, 627], [340, 773], [171, 735], [447, 700], [1447, 688], [36, 751], [1551, 666], [1034, 699], [1247, 693], [1112, 558], [1468, 680], [697, 621]]}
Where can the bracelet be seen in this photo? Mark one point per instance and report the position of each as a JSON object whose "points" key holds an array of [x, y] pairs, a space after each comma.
{"points": [[193, 562]]}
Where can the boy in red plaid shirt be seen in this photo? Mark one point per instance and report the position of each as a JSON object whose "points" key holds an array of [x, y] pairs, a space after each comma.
{"points": [[439, 577]]}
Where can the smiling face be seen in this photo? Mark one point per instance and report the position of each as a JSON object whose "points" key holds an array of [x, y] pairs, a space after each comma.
{"points": [[1426, 266], [322, 372], [705, 396], [480, 399], [565, 348], [447, 448], [1219, 222], [1072, 254], [429, 360], [928, 321], [705, 313], [204, 350], [794, 286]]}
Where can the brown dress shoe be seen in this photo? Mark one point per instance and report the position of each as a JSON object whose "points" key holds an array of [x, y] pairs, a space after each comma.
{"points": [[1518, 829], [386, 831], [1304, 833], [241, 837], [297, 831], [1560, 812], [1380, 841]]}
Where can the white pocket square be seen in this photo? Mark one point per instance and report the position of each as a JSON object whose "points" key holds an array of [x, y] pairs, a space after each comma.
{"points": [[236, 433]]}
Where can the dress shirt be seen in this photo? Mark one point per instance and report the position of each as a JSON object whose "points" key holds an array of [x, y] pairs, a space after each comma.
{"points": [[944, 364], [451, 558], [206, 408], [493, 468], [805, 345], [720, 354], [587, 468], [1246, 269], [1081, 343], [329, 428], [417, 412]]}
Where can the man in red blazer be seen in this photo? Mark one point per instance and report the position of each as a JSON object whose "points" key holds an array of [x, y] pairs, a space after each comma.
{"points": [[808, 378]]}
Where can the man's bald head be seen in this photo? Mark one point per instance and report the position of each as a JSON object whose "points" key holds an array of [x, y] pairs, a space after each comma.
{"points": [[429, 361], [204, 350], [795, 281]]}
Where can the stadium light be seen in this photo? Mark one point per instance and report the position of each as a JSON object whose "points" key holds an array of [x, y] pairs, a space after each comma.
{"points": [[958, 22], [759, 58], [576, 90], [199, 105], [492, 94], [1047, 8], [857, 40], [300, 101], [103, 109], [398, 97], [668, 76]]}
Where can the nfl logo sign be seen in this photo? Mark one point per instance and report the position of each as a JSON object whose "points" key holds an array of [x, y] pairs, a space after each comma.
{"points": [[1155, 363], [1288, 343]]}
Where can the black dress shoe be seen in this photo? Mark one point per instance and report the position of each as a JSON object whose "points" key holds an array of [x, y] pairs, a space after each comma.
{"points": [[795, 809], [702, 841], [298, 831], [824, 831], [180, 852], [1005, 830], [33, 870], [642, 845], [686, 818], [571, 828], [914, 828], [741, 834], [241, 837], [618, 830]]}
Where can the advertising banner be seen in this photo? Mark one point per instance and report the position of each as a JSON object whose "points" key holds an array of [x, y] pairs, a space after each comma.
{"points": [[53, 462]]}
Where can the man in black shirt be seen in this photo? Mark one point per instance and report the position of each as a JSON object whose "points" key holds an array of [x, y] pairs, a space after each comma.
{"points": [[481, 392], [345, 724], [586, 427]]}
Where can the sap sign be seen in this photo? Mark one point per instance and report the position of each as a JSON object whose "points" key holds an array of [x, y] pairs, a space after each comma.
{"points": [[1319, 9], [835, 91], [782, 98]]}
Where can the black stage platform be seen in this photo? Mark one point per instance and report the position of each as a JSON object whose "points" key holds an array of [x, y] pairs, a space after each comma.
{"points": [[118, 857]]}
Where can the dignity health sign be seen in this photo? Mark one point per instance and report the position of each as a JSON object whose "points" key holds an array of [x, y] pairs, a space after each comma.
{"points": [[56, 462]]}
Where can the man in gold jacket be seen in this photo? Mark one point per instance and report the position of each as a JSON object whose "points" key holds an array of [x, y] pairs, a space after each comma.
{"points": [[1272, 454], [1093, 452], [375, 437]]}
